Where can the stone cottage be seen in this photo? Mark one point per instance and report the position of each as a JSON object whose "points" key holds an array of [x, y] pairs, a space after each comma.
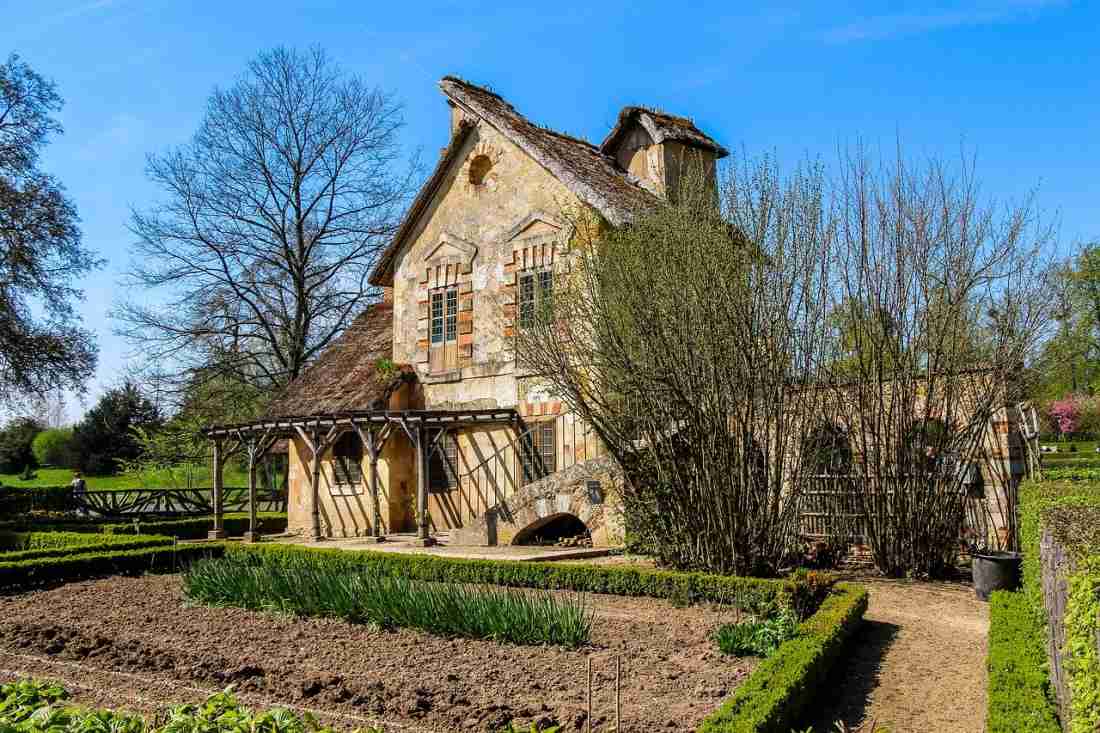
{"points": [[418, 417]]}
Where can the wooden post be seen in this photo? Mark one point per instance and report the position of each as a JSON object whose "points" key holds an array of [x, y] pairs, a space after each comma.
{"points": [[373, 448], [422, 538], [253, 533], [218, 532], [315, 488]]}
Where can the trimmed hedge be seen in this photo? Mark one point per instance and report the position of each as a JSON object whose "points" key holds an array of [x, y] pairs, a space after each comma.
{"points": [[1090, 472], [196, 528], [1070, 510], [780, 690], [1019, 692], [803, 593], [24, 573], [189, 528], [60, 544]]}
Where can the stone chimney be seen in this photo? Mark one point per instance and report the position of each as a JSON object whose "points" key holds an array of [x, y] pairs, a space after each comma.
{"points": [[659, 148]]}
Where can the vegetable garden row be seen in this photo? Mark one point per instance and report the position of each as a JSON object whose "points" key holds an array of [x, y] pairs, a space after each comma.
{"points": [[801, 623]]}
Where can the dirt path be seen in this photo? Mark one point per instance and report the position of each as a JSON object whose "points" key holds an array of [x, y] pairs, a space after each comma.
{"points": [[919, 663]]}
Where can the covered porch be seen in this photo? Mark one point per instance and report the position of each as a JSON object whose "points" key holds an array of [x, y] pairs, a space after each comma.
{"points": [[419, 434]]}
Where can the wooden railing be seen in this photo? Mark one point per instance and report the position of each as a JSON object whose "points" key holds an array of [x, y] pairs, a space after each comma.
{"points": [[189, 502], [521, 461]]}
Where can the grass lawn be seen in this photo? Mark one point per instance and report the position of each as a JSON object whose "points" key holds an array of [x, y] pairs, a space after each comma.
{"points": [[1087, 447], [159, 480]]}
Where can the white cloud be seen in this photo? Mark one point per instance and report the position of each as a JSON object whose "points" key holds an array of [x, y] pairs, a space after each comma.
{"points": [[882, 27]]}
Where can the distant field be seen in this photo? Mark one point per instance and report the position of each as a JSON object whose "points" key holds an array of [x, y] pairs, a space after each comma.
{"points": [[63, 476]]}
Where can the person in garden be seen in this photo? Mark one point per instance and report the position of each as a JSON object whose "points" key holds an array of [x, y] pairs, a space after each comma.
{"points": [[77, 485]]}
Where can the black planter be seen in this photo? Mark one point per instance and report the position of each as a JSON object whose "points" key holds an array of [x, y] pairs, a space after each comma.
{"points": [[995, 571]]}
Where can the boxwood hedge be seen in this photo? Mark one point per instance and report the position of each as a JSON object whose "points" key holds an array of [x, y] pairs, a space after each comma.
{"points": [[185, 528], [15, 576], [1070, 510], [33, 545], [781, 689], [1019, 694]]}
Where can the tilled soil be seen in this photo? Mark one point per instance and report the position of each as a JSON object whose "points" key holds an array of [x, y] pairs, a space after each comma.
{"points": [[136, 643]]}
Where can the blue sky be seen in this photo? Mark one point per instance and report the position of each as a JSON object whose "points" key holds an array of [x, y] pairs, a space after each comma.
{"points": [[1013, 82]]}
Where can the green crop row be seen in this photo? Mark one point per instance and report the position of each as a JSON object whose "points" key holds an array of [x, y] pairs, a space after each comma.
{"points": [[310, 586], [33, 545], [802, 592], [781, 689], [42, 706]]}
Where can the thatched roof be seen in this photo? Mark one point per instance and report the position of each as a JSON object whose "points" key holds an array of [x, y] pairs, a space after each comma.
{"points": [[661, 127], [591, 175], [346, 377]]}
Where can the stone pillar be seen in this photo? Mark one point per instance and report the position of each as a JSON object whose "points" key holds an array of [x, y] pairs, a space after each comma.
{"points": [[253, 533], [218, 532]]}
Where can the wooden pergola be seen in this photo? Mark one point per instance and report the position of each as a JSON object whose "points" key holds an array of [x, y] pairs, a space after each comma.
{"points": [[423, 428]]}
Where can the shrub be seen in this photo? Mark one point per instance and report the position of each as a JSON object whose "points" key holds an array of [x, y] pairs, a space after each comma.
{"points": [[309, 586], [195, 528], [54, 447], [757, 637], [755, 595], [1070, 510], [1019, 695], [781, 688], [25, 573], [16, 438], [31, 545]]}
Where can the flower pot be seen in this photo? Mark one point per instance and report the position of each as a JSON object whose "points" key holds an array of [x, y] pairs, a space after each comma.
{"points": [[995, 571]]}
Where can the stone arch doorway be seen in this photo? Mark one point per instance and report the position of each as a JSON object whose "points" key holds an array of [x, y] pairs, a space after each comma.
{"points": [[552, 529]]}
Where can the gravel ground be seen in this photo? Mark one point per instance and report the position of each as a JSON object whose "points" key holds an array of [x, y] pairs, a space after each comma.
{"points": [[135, 643], [918, 665]]}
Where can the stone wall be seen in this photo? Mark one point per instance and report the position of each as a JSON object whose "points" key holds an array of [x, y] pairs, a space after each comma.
{"points": [[476, 237], [590, 491]]}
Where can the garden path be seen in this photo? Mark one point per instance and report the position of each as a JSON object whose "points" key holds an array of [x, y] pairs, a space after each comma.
{"points": [[917, 665]]}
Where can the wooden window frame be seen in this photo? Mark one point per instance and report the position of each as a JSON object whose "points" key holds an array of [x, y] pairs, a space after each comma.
{"points": [[443, 329], [540, 444], [347, 465], [443, 465], [536, 288]]}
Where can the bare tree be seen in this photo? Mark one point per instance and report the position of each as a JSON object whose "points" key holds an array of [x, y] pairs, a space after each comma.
{"points": [[850, 341], [960, 284], [272, 218], [685, 340], [42, 347]]}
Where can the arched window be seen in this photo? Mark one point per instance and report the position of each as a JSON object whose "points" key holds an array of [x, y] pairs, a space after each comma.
{"points": [[347, 460], [924, 447], [826, 451], [479, 168]]}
